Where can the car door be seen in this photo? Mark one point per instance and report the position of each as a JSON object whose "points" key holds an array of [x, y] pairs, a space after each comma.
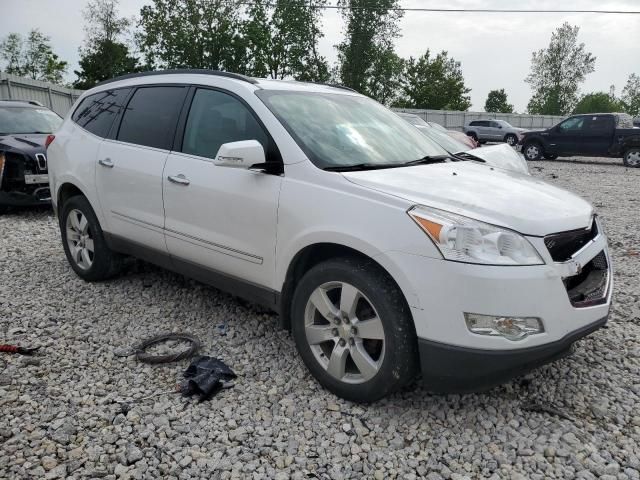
{"points": [[566, 137], [221, 219], [597, 135], [495, 131], [130, 165]]}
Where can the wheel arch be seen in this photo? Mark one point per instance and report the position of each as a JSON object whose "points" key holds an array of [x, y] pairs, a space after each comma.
{"points": [[315, 253]]}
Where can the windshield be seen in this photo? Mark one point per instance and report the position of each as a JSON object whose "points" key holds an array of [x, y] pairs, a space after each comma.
{"points": [[443, 139], [14, 120], [337, 130], [413, 119]]}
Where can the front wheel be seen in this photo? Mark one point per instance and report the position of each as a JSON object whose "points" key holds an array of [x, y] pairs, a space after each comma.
{"points": [[632, 157], [532, 151], [83, 242], [511, 139], [353, 329]]}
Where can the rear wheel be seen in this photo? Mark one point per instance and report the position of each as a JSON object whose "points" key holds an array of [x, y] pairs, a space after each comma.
{"points": [[532, 151], [84, 244], [632, 157], [511, 139], [353, 329]]}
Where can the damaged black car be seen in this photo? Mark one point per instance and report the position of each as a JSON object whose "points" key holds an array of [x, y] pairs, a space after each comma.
{"points": [[24, 128]]}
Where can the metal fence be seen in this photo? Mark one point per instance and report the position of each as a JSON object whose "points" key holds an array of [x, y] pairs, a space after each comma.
{"points": [[57, 98], [456, 120], [60, 99]]}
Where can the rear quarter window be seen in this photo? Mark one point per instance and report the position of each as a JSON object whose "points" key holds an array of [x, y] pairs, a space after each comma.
{"points": [[97, 112]]}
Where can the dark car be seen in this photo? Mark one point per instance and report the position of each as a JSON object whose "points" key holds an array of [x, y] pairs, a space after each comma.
{"points": [[24, 127], [589, 135]]}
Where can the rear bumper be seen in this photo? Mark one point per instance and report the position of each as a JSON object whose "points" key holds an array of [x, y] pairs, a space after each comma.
{"points": [[39, 196], [454, 369]]}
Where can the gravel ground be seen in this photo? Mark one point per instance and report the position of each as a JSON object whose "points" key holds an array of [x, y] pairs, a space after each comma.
{"points": [[78, 411]]}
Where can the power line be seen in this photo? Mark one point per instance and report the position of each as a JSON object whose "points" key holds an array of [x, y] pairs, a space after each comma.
{"points": [[458, 10]]}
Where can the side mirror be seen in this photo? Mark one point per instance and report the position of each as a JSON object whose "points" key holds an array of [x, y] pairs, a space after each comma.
{"points": [[244, 154]]}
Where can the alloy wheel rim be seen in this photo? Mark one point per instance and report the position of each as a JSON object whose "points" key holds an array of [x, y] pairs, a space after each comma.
{"points": [[532, 151], [633, 158], [80, 239], [344, 332], [511, 141]]}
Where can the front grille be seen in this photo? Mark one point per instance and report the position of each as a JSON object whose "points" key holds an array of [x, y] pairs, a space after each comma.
{"points": [[589, 287], [563, 245]]}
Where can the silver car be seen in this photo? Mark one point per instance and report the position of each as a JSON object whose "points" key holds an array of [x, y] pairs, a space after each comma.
{"points": [[493, 131]]}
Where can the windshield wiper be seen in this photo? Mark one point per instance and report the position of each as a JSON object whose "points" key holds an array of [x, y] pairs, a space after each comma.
{"points": [[361, 166], [427, 159]]}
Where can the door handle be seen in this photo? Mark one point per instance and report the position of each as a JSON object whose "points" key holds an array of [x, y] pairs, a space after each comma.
{"points": [[106, 162], [179, 179]]}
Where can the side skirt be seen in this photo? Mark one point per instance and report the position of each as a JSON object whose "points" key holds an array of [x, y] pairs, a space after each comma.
{"points": [[235, 286]]}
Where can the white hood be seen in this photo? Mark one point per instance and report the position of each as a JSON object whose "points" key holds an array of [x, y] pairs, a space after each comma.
{"points": [[509, 199], [501, 156]]}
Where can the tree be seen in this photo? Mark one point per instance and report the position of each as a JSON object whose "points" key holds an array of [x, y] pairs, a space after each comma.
{"points": [[104, 56], [282, 40], [557, 71], [366, 58], [434, 83], [193, 34], [33, 57], [497, 102], [598, 102], [631, 95]]}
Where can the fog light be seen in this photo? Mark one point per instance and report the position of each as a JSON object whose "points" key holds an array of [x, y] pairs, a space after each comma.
{"points": [[511, 328]]}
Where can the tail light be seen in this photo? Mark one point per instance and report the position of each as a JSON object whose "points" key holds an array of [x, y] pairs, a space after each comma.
{"points": [[49, 140]]}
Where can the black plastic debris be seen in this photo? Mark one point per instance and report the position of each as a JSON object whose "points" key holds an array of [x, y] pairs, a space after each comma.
{"points": [[206, 376]]}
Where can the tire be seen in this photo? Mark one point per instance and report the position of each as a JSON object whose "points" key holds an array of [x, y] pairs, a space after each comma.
{"points": [[337, 358], [631, 158], [550, 157], [81, 230], [473, 135], [511, 139], [532, 151]]}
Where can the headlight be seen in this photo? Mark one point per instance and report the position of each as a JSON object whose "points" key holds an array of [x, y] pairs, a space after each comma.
{"points": [[463, 239]]}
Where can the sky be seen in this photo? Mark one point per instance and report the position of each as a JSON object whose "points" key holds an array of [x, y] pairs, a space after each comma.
{"points": [[494, 49]]}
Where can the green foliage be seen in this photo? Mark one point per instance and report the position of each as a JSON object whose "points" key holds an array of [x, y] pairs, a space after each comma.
{"points": [[282, 40], [107, 59], [631, 95], [598, 102], [557, 71], [434, 83], [497, 102], [32, 57], [366, 58], [193, 34], [104, 56]]}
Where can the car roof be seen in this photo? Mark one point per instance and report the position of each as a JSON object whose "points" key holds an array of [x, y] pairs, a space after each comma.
{"points": [[201, 76], [21, 103]]}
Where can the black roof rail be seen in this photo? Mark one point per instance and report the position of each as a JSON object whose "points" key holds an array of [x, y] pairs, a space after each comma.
{"points": [[199, 71]]}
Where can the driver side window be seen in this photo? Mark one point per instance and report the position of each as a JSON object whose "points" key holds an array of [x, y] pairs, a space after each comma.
{"points": [[572, 124], [216, 118]]}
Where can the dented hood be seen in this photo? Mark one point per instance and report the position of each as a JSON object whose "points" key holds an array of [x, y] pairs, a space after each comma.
{"points": [[506, 198]]}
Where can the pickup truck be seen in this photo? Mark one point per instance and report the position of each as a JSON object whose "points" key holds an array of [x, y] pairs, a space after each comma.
{"points": [[589, 135]]}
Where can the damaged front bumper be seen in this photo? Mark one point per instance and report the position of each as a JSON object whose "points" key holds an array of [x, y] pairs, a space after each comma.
{"points": [[19, 185]]}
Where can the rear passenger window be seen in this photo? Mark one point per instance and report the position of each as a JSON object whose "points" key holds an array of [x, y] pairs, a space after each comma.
{"points": [[151, 115], [216, 118], [97, 112]]}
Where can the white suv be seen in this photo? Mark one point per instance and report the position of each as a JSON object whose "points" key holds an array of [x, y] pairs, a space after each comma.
{"points": [[386, 257]]}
